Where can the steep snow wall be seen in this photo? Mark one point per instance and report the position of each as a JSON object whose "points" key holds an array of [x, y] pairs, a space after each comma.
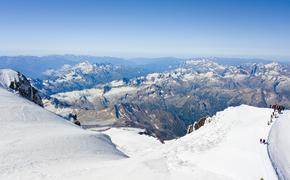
{"points": [[279, 145]]}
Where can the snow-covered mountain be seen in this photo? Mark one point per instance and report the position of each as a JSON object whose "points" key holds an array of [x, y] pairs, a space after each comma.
{"points": [[18, 83], [36, 144], [166, 103], [34, 66], [83, 75]]}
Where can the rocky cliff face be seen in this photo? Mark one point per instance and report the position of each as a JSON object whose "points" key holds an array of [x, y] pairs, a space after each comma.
{"points": [[159, 123], [166, 103], [18, 83]]}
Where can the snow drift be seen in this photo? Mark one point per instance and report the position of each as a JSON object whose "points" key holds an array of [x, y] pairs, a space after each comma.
{"points": [[33, 141]]}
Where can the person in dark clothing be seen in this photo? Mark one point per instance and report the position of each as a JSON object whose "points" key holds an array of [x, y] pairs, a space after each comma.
{"points": [[261, 141], [279, 109], [264, 141]]}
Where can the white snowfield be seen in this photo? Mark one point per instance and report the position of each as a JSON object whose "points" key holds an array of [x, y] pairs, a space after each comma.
{"points": [[36, 144], [226, 148]]}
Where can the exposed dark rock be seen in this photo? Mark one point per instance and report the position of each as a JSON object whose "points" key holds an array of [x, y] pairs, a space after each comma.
{"points": [[198, 124], [189, 128], [157, 122], [17, 82]]}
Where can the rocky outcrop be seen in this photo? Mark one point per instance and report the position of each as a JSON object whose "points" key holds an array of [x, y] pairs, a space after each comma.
{"points": [[17, 82], [189, 129], [198, 124]]}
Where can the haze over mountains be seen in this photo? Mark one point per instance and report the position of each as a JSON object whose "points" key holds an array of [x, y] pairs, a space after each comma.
{"points": [[34, 66]]}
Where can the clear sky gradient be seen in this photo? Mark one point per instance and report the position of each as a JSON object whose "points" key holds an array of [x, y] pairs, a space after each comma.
{"points": [[130, 28]]}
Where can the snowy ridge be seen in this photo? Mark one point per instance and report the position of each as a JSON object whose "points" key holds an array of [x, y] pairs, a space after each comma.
{"points": [[229, 144], [226, 148], [279, 145]]}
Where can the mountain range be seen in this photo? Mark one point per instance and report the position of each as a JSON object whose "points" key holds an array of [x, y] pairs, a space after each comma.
{"points": [[166, 103], [135, 124]]}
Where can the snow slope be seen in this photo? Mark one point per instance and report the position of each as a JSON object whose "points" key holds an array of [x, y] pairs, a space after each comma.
{"points": [[36, 144], [279, 145], [226, 148], [229, 145]]}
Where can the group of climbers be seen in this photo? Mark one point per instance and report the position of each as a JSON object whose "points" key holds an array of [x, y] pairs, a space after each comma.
{"points": [[278, 108], [273, 115], [263, 141]]}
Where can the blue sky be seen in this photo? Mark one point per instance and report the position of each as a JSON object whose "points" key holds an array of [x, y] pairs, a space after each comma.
{"points": [[128, 28]]}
